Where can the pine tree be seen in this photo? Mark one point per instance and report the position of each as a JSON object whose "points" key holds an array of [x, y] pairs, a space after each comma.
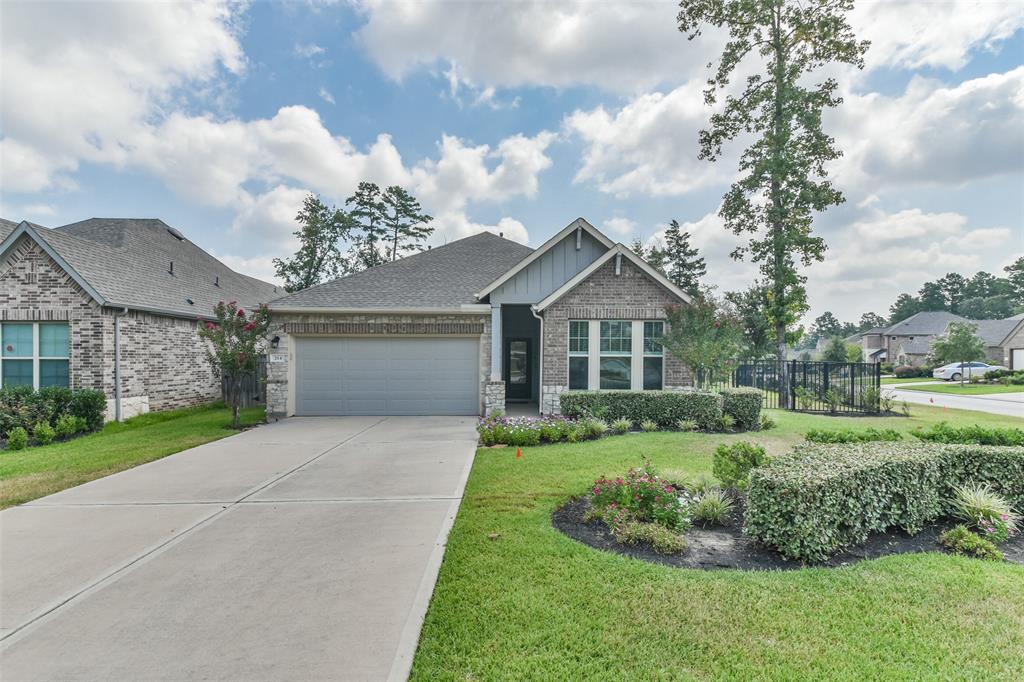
{"points": [[319, 257], [683, 266], [655, 254], [368, 211], [406, 223]]}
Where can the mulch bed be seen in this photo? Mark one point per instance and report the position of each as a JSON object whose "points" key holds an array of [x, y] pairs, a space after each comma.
{"points": [[718, 547]]}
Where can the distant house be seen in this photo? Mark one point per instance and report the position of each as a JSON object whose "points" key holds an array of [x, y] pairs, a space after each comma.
{"points": [[909, 341], [71, 295]]}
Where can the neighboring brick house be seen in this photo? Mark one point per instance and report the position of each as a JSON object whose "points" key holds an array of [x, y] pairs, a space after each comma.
{"points": [[474, 325], [70, 295], [909, 341]]}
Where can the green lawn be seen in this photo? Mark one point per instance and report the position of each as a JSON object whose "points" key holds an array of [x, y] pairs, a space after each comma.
{"points": [[967, 389], [28, 474], [908, 380], [516, 599]]}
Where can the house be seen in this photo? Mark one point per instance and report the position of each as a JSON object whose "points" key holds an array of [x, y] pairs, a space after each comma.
{"points": [[909, 342], [467, 327], [113, 305], [872, 344]]}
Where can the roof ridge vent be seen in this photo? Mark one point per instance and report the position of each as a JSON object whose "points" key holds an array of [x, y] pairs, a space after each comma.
{"points": [[176, 233]]}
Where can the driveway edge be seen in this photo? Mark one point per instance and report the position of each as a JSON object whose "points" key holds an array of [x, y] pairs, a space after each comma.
{"points": [[410, 637]]}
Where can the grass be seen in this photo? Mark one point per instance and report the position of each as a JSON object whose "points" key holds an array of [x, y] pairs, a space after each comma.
{"points": [[967, 389], [516, 599], [35, 472], [906, 380]]}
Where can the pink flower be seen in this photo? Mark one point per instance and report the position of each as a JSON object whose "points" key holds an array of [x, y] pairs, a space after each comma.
{"points": [[241, 312], [209, 325]]}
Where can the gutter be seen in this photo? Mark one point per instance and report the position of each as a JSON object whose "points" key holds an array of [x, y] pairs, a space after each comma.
{"points": [[465, 309]]}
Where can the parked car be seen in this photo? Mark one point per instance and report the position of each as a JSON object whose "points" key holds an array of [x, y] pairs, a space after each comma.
{"points": [[954, 371]]}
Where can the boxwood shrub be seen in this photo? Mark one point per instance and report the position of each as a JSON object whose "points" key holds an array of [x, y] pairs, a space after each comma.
{"points": [[975, 434], [22, 407], [743, 405], [665, 408], [818, 499]]}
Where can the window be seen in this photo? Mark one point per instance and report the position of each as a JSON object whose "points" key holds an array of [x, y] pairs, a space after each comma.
{"points": [[579, 347], [34, 354], [654, 356], [616, 354]]}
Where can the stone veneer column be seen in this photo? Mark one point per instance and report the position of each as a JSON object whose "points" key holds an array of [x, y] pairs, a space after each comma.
{"points": [[494, 397]]}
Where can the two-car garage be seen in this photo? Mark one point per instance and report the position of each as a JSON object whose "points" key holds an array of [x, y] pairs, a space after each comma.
{"points": [[414, 375]]}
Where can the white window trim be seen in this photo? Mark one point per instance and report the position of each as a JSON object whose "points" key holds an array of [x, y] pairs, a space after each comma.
{"points": [[579, 354], [636, 355], [645, 354], [36, 358]]}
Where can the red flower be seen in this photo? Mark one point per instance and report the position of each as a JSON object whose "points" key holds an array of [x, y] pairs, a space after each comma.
{"points": [[717, 324], [249, 326], [210, 325], [241, 312]]}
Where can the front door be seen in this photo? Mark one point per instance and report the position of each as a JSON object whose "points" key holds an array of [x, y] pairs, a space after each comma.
{"points": [[518, 369]]}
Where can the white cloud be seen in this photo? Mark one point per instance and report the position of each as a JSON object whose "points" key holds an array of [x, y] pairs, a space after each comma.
{"points": [[622, 227], [308, 50], [456, 225], [325, 95], [260, 267], [270, 217]]}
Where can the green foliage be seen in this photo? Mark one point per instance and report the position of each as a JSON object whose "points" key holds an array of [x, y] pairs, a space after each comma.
{"points": [[976, 434], [725, 424], [767, 423], [407, 225], [390, 223], [595, 427], [43, 433], [641, 495], [960, 343], [321, 231], [819, 499], [804, 398], [665, 408], [851, 436], [17, 438], [834, 398], [686, 425], [835, 351], [661, 539], [961, 540], [68, 425], [20, 406], [89, 406], [648, 425], [683, 265], [909, 372], [704, 335], [986, 511], [733, 463], [621, 426], [744, 406], [236, 340], [1015, 275], [783, 184], [757, 333], [713, 505]]}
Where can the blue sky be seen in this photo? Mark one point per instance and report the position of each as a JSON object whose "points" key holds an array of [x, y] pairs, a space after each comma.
{"points": [[513, 117]]}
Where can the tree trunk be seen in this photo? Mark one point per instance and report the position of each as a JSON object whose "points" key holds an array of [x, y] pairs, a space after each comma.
{"points": [[776, 226]]}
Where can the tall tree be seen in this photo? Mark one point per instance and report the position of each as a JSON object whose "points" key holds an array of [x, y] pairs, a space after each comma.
{"points": [[904, 306], [960, 343], [321, 230], [835, 351], [932, 297], [784, 180], [655, 254], [406, 224], [870, 321], [683, 264], [1015, 273], [750, 306], [825, 326], [368, 211], [954, 287]]}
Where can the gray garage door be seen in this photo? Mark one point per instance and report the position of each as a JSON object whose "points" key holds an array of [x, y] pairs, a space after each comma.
{"points": [[400, 376]]}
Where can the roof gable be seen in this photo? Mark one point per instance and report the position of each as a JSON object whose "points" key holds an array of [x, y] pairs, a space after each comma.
{"points": [[550, 270]]}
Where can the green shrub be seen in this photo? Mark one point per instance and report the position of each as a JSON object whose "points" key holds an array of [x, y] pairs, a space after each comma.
{"points": [[686, 425], [643, 495], [767, 423], [648, 425], [733, 463], [818, 499], [725, 424], [986, 511], [90, 406], [662, 407], [595, 428], [851, 436], [523, 431], [661, 539], [834, 399], [970, 434], [621, 426], [909, 371], [67, 426], [960, 540], [744, 406], [43, 433], [17, 438], [575, 434], [713, 505]]}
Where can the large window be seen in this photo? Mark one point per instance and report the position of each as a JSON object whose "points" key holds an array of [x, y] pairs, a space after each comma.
{"points": [[616, 354], [654, 356], [579, 349], [34, 354]]}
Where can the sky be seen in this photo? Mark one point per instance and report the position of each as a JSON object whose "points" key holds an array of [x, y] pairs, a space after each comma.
{"points": [[514, 117]]}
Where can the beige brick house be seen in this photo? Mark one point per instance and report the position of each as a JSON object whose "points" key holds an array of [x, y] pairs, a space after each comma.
{"points": [[113, 305], [473, 326]]}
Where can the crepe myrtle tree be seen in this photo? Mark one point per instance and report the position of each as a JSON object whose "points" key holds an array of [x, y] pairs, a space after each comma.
{"points": [[705, 335], [960, 343], [236, 341]]}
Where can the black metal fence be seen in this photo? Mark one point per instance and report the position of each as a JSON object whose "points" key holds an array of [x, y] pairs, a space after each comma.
{"points": [[833, 387], [252, 387]]}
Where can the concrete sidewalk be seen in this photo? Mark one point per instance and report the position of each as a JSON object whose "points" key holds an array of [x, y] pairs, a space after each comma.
{"points": [[302, 550]]}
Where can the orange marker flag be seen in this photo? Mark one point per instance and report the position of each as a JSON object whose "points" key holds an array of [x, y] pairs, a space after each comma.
{"points": [[519, 453]]}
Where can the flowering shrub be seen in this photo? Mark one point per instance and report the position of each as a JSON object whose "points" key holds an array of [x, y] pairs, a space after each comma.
{"points": [[236, 341], [642, 495], [524, 431], [960, 540], [986, 510]]}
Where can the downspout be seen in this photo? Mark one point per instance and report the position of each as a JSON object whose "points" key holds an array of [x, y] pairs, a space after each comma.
{"points": [[117, 364], [540, 362]]}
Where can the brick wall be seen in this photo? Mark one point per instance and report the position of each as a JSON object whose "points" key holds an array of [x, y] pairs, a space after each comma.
{"points": [[163, 362], [631, 295], [286, 325], [1016, 340]]}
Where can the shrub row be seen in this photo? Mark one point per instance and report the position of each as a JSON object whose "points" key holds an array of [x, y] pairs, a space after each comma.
{"points": [[664, 408], [971, 434], [909, 371], [23, 407], [818, 499], [528, 431], [851, 436], [743, 405]]}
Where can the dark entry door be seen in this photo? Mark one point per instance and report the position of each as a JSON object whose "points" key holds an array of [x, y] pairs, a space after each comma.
{"points": [[518, 369]]}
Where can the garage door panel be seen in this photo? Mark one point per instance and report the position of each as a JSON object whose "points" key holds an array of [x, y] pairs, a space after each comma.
{"points": [[361, 376]]}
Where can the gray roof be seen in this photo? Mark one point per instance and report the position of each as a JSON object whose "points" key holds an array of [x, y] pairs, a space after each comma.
{"points": [[994, 332], [443, 277], [1017, 317], [127, 262], [6, 227], [917, 346], [926, 323]]}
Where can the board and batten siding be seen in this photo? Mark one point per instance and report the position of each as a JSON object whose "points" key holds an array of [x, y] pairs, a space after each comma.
{"points": [[557, 266]]}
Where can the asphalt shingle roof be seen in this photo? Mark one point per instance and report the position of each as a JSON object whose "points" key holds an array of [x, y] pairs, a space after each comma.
{"points": [[930, 322], [443, 277], [128, 261], [994, 331], [6, 227]]}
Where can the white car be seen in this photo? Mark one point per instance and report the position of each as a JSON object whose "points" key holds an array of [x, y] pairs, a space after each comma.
{"points": [[954, 371]]}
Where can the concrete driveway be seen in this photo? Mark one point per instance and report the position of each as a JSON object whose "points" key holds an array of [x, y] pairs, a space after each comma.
{"points": [[302, 550]]}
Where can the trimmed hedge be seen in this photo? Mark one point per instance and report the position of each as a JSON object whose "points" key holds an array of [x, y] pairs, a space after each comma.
{"points": [[743, 405], [665, 408], [819, 499], [22, 407], [851, 436], [971, 434]]}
